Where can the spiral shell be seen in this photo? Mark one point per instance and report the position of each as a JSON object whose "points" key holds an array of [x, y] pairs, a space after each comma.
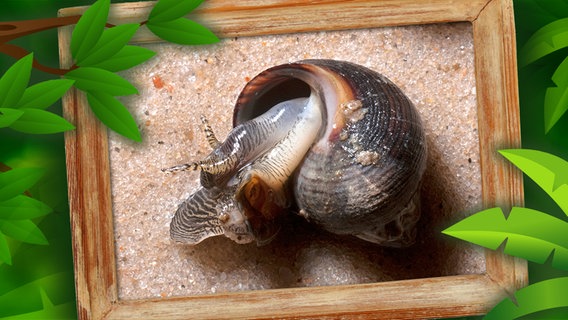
{"points": [[349, 158]]}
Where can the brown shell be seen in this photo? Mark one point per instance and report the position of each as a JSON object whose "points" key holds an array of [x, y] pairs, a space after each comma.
{"points": [[362, 176]]}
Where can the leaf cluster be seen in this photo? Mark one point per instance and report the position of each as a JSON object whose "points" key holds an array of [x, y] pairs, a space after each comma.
{"points": [[167, 21], [527, 233], [547, 40], [22, 108], [18, 210], [99, 50]]}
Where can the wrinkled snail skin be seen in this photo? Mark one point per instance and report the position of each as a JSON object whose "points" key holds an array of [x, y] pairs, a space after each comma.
{"points": [[351, 161], [197, 226]]}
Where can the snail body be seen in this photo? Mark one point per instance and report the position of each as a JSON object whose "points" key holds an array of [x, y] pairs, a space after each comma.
{"points": [[333, 141]]}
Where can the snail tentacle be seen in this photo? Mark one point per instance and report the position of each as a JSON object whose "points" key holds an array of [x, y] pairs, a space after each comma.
{"points": [[180, 167], [209, 165], [209, 134]]}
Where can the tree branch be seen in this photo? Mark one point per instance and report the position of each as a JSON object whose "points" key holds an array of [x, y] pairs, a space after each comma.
{"points": [[18, 53], [17, 29]]}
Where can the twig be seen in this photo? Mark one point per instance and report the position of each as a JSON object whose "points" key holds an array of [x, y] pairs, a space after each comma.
{"points": [[16, 29], [18, 53]]}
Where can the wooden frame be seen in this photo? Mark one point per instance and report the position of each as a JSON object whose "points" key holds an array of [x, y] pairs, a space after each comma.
{"points": [[498, 116]]}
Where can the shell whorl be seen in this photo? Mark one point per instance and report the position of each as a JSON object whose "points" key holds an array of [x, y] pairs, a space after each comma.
{"points": [[362, 174]]}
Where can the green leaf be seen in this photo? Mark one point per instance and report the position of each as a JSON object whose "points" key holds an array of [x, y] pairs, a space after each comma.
{"points": [[548, 171], [48, 309], [548, 39], [114, 115], [5, 255], [126, 58], [23, 230], [529, 234], [44, 94], [22, 207], [99, 80], [14, 81], [39, 267], [110, 42], [541, 296], [8, 116], [556, 98], [89, 29], [182, 31], [168, 10], [37, 292], [16, 181], [37, 121]]}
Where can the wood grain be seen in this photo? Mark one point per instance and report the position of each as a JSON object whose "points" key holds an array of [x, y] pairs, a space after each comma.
{"points": [[229, 18], [499, 127], [90, 204], [498, 114], [411, 299]]}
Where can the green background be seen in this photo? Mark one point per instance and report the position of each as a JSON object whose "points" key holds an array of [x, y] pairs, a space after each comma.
{"points": [[39, 284]]}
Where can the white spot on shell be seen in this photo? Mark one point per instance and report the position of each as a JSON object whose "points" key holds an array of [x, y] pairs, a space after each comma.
{"points": [[367, 157], [353, 110], [354, 140]]}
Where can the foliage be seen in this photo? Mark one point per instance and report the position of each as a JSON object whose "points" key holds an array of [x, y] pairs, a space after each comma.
{"points": [[547, 40], [99, 50], [17, 210], [22, 107], [544, 295], [527, 233], [542, 38]]}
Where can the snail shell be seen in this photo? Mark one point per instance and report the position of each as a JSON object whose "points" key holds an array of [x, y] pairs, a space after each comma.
{"points": [[333, 141]]}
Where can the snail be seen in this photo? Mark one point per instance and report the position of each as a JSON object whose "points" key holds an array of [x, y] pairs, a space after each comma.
{"points": [[332, 141]]}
